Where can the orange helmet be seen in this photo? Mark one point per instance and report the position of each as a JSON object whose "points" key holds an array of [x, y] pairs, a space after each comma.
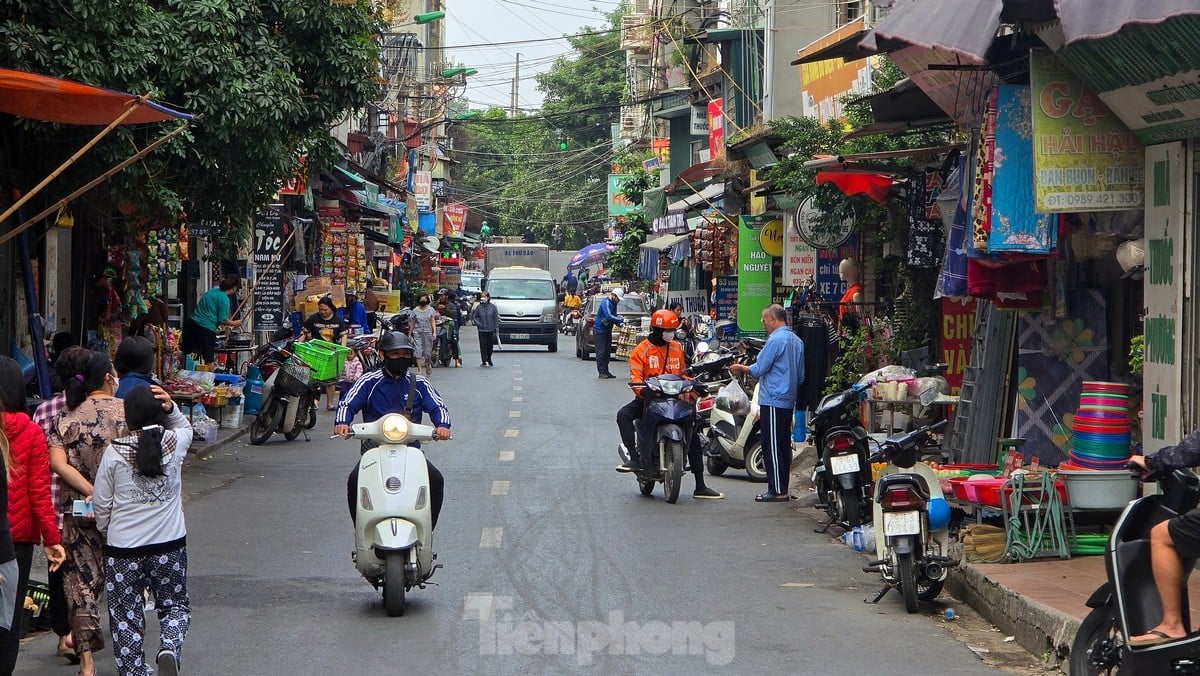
{"points": [[664, 319]]}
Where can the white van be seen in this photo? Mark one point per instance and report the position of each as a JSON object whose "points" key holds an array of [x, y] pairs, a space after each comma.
{"points": [[527, 301]]}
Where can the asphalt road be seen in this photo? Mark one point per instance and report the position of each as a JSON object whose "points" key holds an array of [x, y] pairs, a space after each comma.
{"points": [[553, 562]]}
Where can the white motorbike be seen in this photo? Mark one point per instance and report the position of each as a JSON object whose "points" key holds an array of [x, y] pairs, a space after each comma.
{"points": [[393, 529], [911, 518]]}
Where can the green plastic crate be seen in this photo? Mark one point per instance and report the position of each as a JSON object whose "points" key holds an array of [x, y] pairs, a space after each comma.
{"points": [[324, 358]]}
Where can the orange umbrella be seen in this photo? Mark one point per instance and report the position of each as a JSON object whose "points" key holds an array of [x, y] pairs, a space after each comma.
{"points": [[874, 186]]}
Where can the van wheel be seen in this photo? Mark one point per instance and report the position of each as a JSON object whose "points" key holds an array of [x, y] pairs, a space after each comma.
{"points": [[553, 346]]}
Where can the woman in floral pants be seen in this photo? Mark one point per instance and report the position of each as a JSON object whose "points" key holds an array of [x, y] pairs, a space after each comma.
{"points": [[138, 505]]}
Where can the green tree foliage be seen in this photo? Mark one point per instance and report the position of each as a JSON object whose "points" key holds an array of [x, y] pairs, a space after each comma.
{"points": [[514, 174], [267, 79], [622, 262]]}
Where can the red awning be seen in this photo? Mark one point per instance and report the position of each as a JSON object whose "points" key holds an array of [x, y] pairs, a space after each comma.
{"points": [[874, 186], [49, 99]]}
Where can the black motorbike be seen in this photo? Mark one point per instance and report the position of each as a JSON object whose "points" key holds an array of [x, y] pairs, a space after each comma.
{"points": [[1128, 604], [842, 476], [664, 432], [289, 403]]}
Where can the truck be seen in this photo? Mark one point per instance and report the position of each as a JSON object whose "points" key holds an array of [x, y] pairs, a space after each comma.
{"points": [[527, 302], [509, 255]]}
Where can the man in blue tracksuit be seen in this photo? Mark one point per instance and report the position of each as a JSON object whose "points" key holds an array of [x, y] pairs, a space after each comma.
{"points": [[389, 390], [606, 318], [779, 370]]}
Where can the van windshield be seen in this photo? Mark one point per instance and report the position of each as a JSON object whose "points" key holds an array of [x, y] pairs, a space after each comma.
{"points": [[521, 289]]}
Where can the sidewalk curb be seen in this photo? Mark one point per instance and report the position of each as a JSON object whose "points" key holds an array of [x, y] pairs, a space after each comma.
{"points": [[205, 452], [1038, 628]]}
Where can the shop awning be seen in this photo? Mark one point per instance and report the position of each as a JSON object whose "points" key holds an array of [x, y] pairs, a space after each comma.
{"points": [[350, 175], [693, 177], [666, 241], [1096, 19], [49, 99], [698, 200], [904, 102]]}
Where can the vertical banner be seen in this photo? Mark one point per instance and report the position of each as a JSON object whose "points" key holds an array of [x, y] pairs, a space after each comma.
{"points": [[799, 260], [1163, 398], [958, 329], [725, 297], [1084, 158], [716, 129], [423, 189], [618, 203], [753, 275], [270, 231]]}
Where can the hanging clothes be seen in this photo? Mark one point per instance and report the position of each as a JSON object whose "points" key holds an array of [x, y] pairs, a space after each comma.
{"points": [[814, 332]]}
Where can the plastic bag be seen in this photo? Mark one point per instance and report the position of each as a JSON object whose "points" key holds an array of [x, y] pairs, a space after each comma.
{"points": [[733, 398]]}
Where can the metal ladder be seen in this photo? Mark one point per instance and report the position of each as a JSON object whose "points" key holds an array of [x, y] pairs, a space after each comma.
{"points": [[981, 410]]}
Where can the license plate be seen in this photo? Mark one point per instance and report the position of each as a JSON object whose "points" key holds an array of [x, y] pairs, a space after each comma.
{"points": [[518, 336], [901, 523], [843, 464]]}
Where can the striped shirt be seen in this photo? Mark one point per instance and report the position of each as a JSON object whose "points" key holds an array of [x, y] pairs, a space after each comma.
{"points": [[379, 393], [47, 416]]}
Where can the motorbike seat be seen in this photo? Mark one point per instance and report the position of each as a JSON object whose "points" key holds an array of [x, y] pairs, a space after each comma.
{"points": [[889, 480]]}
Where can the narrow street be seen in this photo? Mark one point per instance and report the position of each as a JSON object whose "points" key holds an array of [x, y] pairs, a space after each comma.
{"points": [[553, 562]]}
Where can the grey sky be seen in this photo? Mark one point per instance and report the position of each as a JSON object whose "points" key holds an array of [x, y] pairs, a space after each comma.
{"points": [[471, 22]]}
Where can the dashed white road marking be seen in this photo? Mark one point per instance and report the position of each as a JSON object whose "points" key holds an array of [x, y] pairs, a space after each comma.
{"points": [[511, 434], [517, 379], [518, 399], [500, 487], [514, 414], [507, 456], [478, 606], [491, 537], [518, 388]]}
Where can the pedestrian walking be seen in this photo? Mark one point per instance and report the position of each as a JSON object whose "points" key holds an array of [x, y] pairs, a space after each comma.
{"points": [[9, 568], [93, 419], [422, 328], [134, 362], [47, 417], [31, 518], [139, 509], [779, 370], [487, 321], [606, 319]]}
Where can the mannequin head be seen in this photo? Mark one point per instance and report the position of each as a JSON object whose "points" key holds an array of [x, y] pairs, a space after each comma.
{"points": [[848, 270]]}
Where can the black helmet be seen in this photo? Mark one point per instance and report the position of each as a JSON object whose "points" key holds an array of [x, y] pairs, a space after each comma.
{"points": [[394, 340]]}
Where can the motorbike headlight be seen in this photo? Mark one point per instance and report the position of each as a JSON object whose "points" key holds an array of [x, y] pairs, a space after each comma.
{"points": [[394, 427], [672, 388]]}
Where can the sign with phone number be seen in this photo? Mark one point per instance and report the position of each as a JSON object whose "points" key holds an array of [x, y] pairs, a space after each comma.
{"points": [[1103, 199]]}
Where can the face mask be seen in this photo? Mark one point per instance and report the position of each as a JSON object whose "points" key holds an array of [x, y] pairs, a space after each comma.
{"points": [[668, 336], [423, 303], [398, 365], [484, 300]]}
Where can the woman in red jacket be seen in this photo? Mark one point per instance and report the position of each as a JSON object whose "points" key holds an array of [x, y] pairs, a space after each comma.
{"points": [[31, 515]]}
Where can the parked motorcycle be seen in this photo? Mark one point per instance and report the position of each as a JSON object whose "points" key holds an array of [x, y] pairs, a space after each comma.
{"points": [[842, 475], [663, 433], [443, 353], [911, 518], [732, 437], [289, 398], [1127, 603], [393, 526]]}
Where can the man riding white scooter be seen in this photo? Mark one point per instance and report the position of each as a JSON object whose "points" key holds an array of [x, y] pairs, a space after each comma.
{"points": [[391, 389]]}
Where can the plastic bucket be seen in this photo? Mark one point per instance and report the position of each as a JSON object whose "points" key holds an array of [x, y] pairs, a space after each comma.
{"points": [[1099, 489], [1097, 386], [1106, 401], [1103, 417]]}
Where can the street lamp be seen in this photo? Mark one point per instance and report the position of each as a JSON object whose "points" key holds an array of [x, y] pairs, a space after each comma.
{"points": [[454, 72], [428, 17]]}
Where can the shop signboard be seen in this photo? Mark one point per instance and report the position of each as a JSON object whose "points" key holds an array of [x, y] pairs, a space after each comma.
{"points": [[694, 301], [830, 286], [958, 330], [618, 203], [799, 260], [716, 129], [423, 190], [454, 219], [1084, 158], [270, 233], [1165, 338], [753, 275], [725, 297]]}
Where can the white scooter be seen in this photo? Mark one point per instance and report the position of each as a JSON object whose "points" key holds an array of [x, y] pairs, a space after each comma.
{"points": [[393, 529], [911, 518]]}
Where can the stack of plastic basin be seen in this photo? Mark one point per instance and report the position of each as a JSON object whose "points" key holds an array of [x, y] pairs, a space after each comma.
{"points": [[1101, 429]]}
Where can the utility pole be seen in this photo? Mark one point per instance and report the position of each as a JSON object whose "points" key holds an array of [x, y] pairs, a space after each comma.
{"points": [[516, 88]]}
